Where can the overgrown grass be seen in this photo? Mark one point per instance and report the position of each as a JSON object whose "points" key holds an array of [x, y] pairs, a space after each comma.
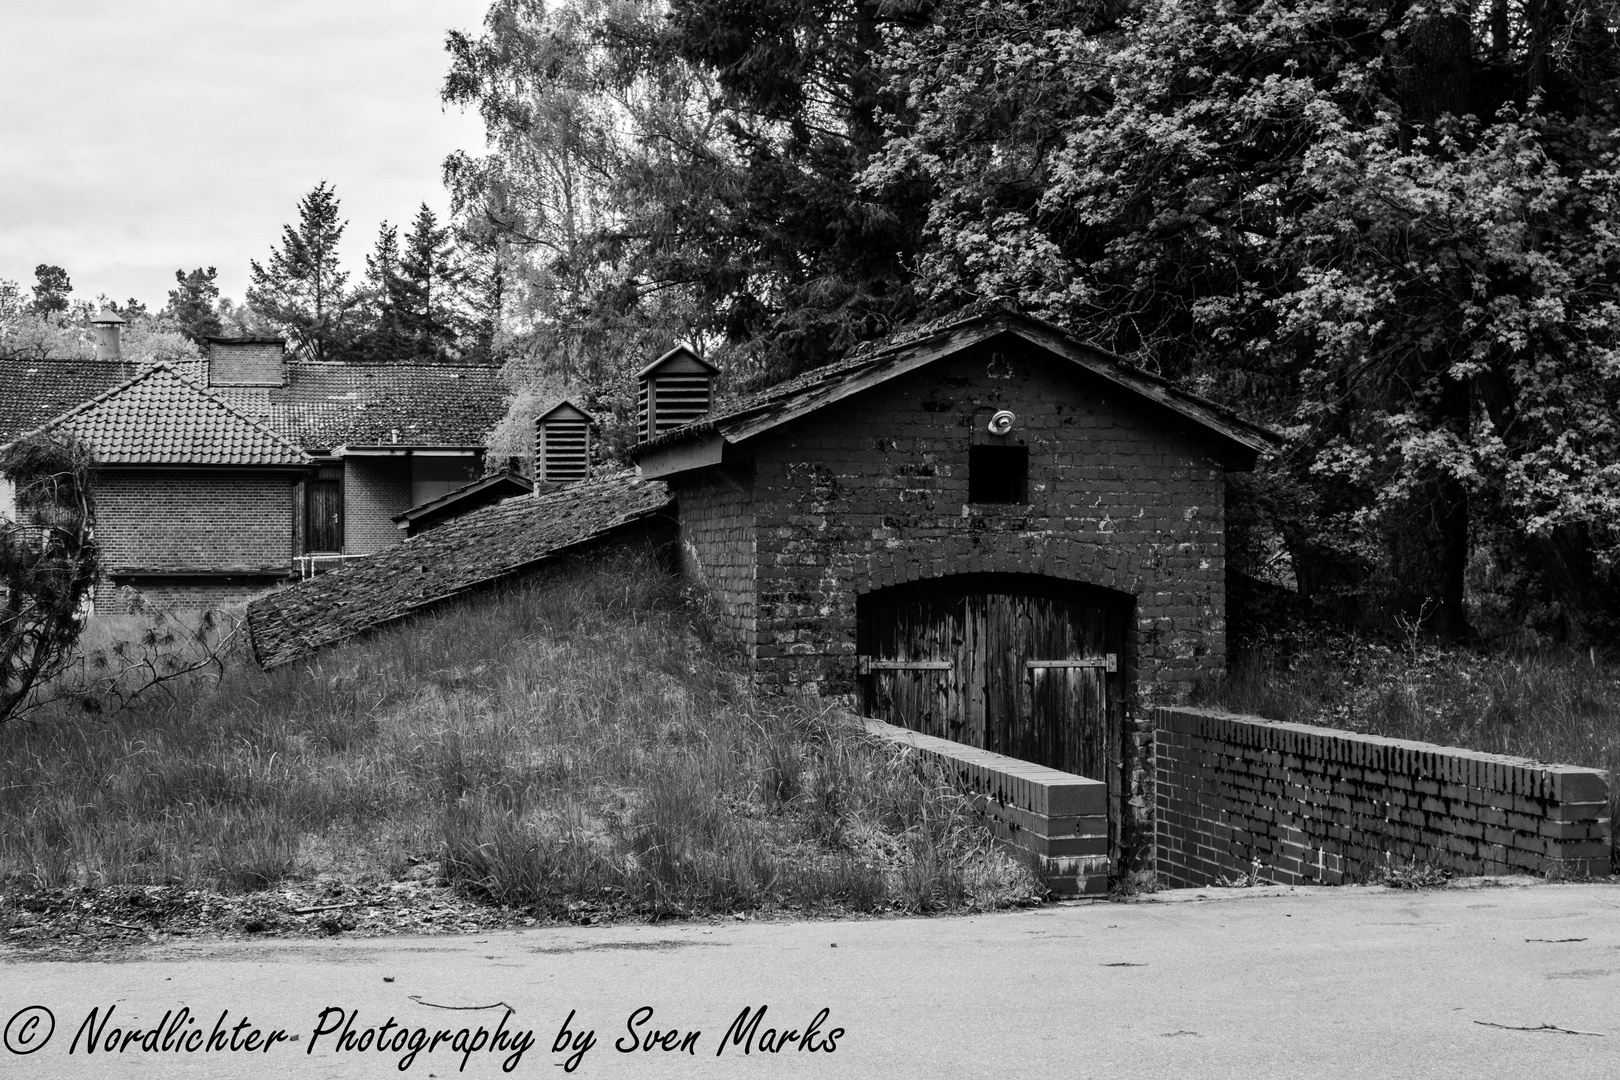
{"points": [[1556, 707], [587, 740]]}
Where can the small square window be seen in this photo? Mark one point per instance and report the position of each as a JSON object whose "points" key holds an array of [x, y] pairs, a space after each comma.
{"points": [[998, 474]]}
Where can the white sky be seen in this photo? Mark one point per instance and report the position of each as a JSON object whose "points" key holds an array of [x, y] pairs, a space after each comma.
{"points": [[138, 137]]}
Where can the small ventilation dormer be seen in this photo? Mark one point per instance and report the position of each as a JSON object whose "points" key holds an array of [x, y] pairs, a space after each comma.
{"points": [[562, 444], [675, 389]]}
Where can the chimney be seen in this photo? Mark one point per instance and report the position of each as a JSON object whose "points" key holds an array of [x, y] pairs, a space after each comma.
{"points": [[247, 361], [562, 445], [109, 329], [677, 388]]}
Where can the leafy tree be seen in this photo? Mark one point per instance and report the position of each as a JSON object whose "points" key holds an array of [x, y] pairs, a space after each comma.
{"points": [[49, 563], [192, 304], [51, 289], [302, 291], [690, 164], [1293, 204], [147, 338]]}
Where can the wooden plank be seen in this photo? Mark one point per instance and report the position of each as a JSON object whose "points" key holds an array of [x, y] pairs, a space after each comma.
{"points": [[1109, 662]]}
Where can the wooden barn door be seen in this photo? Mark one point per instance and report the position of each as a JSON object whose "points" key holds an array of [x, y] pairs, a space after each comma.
{"points": [[1030, 673]]}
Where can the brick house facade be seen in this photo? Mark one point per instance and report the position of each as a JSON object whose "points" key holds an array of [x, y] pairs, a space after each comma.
{"points": [[810, 508], [870, 535], [194, 499], [370, 441]]}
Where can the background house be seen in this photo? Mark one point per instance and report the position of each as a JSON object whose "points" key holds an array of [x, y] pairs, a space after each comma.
{"points": [[373, 442], [385, 437], [194, 499]]}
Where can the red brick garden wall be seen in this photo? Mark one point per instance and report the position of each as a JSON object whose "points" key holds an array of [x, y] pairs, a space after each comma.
{"points": [[1322, 806]]}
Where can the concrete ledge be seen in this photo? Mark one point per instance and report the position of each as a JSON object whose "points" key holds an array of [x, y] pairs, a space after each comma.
{"points": [[1058, 819]]}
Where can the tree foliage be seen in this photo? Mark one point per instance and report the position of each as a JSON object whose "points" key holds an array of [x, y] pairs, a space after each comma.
{"points": [[1389, 235], [302, 289], [49, 563], [193, 304]]}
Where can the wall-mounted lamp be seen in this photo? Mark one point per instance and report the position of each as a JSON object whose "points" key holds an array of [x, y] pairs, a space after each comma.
{"points": [[1002, 422]]}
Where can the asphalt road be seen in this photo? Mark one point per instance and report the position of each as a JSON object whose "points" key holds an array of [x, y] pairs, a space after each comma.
{"points": [[1207, 983]]}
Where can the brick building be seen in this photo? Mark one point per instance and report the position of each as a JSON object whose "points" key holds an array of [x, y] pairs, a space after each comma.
{"points": [[385, 437], [981, 529], [378, 440], [984, 531], [194, 499]]}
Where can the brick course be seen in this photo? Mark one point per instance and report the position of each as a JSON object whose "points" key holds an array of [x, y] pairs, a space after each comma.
{"points": [[1316, 805]]}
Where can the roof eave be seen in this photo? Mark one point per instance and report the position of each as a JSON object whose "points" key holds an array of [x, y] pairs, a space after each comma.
{"points": [[700, 450]]}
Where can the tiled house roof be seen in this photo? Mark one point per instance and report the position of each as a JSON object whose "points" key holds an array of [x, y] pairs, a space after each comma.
{"points": [[874, 361], [458, 556], [162, 417], [35, 391], [322, 405], [326, 405]]}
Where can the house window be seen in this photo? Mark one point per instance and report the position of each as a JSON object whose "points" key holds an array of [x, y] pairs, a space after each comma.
{"points": [[998, 474]]}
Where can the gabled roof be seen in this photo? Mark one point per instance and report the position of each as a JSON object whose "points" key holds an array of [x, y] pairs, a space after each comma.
{"points": [[460, 556], [686, 355], [325, 405], [574, 412], [464, 499], [916, 347], [160, 417], [39, 390]]}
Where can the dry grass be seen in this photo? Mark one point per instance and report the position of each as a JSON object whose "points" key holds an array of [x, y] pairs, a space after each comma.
{"points": [[585, 741], [1553, 707]]}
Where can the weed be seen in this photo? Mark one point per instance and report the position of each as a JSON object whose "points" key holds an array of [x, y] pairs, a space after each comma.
{"points": [[573, 745]]}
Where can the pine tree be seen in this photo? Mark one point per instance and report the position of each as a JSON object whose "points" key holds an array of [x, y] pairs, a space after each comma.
{"points": [[385, 337], [191, 306], [424, 277], [302, 291], [51, 289]]}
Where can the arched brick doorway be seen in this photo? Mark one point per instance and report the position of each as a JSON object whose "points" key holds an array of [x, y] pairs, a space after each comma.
{"points": [[1020, 664]]}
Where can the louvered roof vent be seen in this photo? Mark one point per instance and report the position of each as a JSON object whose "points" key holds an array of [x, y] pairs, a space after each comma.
{"points": [[675, 389], [562, 444]]}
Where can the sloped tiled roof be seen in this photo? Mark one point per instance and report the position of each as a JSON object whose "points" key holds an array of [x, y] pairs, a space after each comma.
{"points": [[34, 391], [326, 405], [459, 556], [872, 362], [160, 417], [465, 499], [323, 405]]}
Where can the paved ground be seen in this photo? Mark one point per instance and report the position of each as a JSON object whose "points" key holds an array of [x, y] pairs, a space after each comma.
{"points": [[1246, 983]]}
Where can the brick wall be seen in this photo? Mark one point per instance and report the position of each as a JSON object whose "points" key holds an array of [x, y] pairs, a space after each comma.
{"points": [[873, 491], [114, 597], [1319, 805], [247, 363], [717, 547], [374, 491], [194, 520], [1058, 819]]}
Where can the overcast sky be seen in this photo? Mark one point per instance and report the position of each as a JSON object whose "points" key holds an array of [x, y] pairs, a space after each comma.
{"points": [[142, 136]]}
